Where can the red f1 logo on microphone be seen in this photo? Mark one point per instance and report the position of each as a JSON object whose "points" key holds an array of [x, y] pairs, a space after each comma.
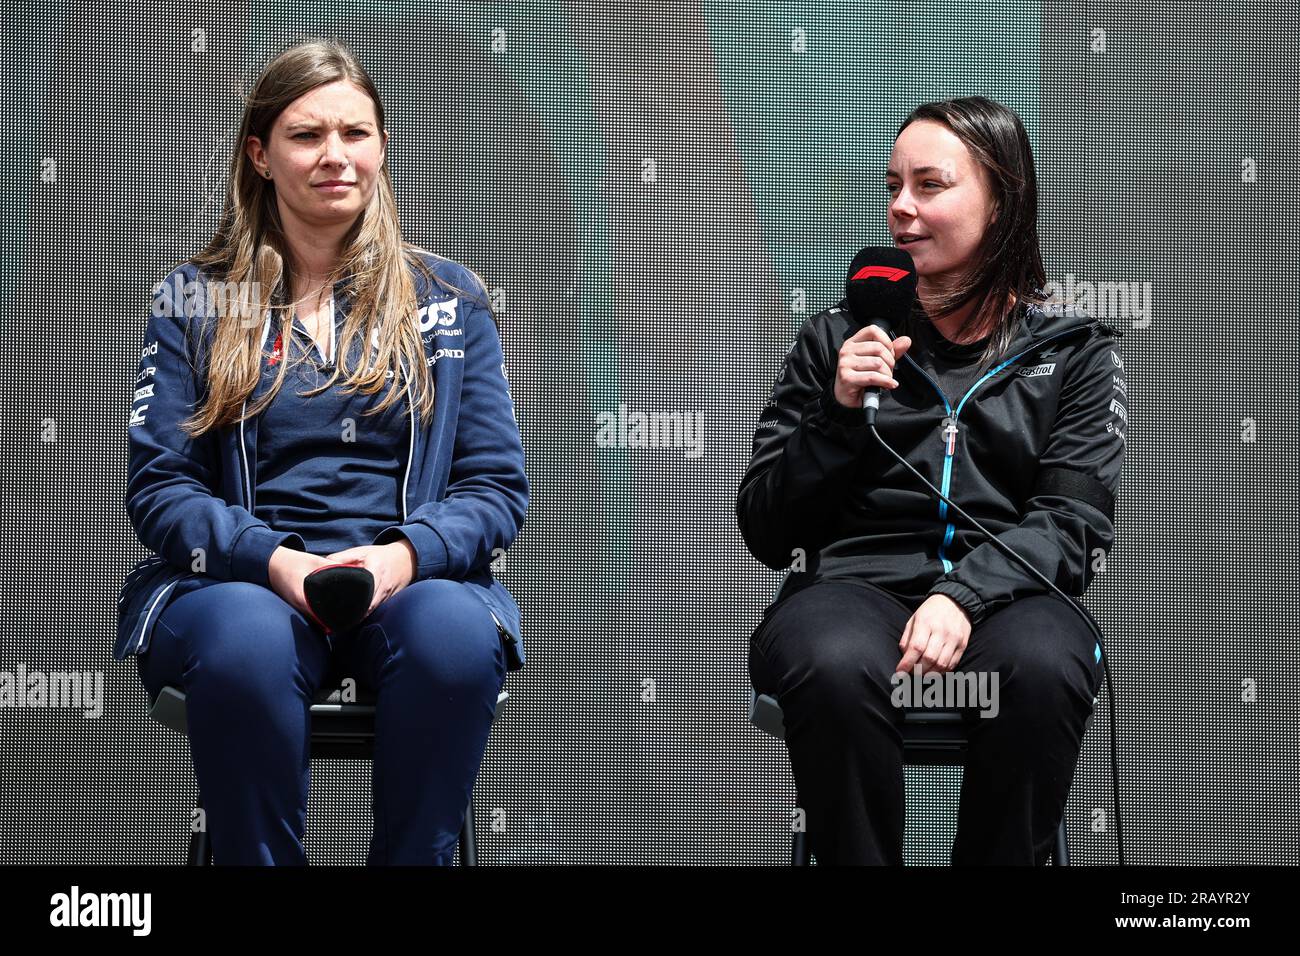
{"points": [[879, 272]]}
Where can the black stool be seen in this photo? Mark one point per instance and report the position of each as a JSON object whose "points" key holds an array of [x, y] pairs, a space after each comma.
{"points": [[338, 729], [930, 737]]}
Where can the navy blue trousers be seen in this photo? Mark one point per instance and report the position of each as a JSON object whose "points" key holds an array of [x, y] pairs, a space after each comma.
{"points": [[827, 654], [250, 665]]}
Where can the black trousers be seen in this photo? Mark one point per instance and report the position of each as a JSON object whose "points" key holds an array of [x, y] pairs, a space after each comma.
{"points": [[827, 654]]}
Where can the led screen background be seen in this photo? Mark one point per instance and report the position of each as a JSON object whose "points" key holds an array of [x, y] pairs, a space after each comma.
{"points": [[660, 194]]}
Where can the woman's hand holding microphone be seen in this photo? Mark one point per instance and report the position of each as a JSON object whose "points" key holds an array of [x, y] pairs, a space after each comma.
{"points": [[288, 569], [867, 359], [393, 566]]}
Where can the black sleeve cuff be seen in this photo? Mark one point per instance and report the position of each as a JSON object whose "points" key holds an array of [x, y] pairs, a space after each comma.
{"points": [[848, 417]]}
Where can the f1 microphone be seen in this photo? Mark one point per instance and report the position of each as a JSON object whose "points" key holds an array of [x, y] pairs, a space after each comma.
{"points": [[880, 290]]}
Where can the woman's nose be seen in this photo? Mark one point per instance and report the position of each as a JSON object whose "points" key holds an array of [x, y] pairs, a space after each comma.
{"points": [[334, 151]]}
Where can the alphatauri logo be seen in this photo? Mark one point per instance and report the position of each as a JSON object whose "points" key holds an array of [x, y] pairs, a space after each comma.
{"points": [[437, 313], [1045, 369]]}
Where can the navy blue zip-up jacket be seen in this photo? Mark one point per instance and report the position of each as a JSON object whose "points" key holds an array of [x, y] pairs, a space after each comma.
{"points": [[190, 501], [1033, 451]]}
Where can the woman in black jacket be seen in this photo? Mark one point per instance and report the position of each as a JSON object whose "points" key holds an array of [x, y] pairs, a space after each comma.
{"points": [[1011, 405]]}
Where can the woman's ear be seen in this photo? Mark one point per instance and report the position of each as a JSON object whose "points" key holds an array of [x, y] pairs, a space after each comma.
{"points": [[253, 149]]}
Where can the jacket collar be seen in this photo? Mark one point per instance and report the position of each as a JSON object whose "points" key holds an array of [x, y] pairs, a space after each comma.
{"points": [[1037, 324]]}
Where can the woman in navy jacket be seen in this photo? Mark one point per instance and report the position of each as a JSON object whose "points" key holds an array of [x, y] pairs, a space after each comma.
{"points": [[1014, 408], [314, 390]]}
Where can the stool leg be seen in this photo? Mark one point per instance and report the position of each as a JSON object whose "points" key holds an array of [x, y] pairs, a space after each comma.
{"points": [[800, 852], [200, 851], [468, 849], [1062, 854]]}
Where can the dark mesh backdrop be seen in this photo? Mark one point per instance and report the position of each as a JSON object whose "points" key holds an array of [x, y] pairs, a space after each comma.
{"points": [[661, 193]]}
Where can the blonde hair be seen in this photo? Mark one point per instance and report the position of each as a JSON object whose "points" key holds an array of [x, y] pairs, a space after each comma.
{"points": [[250, 255]]}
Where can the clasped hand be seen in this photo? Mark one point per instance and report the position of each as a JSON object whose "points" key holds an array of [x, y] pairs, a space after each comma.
{"points": [[393, 565]]}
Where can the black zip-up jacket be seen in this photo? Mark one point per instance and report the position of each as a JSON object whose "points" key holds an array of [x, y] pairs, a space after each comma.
{"points": [[1033, 451]]}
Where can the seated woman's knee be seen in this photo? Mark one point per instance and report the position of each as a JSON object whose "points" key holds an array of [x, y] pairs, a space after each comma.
{"points": [[843, 669], [247, 638], [1042, 652], [445, 632]]}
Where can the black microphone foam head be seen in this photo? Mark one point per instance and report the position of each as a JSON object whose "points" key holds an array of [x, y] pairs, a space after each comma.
{"points": [[881, 286], [339, 594]]}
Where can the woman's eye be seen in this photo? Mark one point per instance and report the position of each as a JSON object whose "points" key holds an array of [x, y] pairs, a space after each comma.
{"points": [[360, 132]]}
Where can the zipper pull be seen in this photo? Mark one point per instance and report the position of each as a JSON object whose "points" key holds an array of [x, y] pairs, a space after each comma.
{"points": [[949, 434], [501, 628]]}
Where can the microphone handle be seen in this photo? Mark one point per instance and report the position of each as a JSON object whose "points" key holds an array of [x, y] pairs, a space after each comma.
{"points": [[871, 395]]}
